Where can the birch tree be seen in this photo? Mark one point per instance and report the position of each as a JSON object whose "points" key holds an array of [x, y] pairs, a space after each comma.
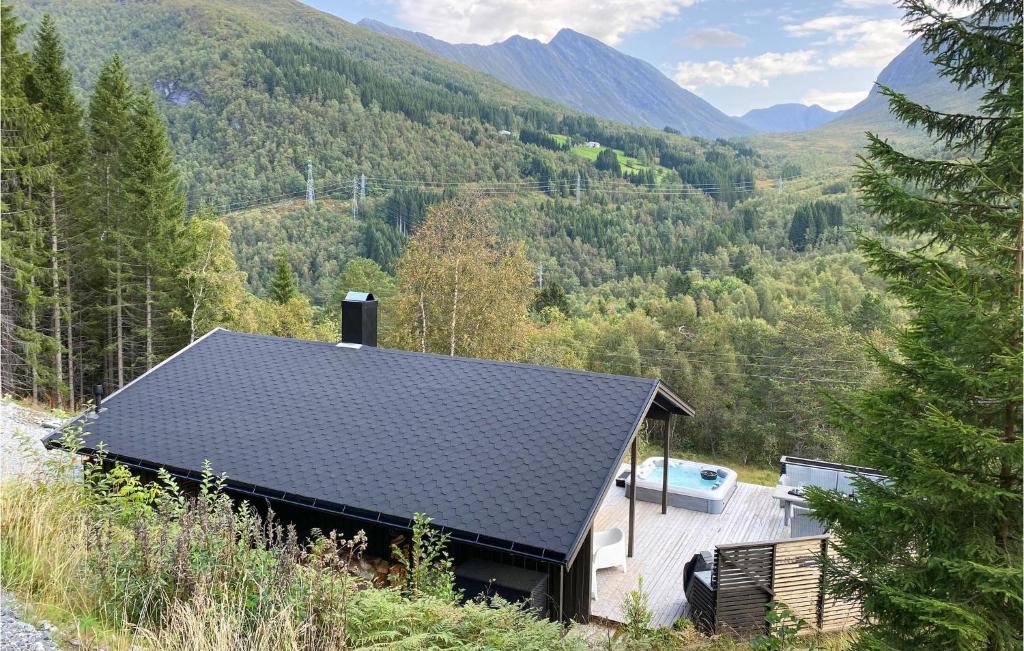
{"points": [[461, 291]]}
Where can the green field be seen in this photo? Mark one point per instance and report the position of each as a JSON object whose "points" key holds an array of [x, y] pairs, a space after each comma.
{"points": [[627, 163]]}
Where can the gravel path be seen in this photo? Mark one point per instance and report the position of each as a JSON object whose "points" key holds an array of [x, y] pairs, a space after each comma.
{"points": [[19, 635]]}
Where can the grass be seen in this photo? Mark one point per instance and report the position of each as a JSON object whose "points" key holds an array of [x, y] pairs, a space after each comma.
{"points": [[627, 163], [117, 563]]}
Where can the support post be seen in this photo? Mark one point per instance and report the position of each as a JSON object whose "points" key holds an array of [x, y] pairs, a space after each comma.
{"points": [[561, 595], [669, 422], [632, 496]]}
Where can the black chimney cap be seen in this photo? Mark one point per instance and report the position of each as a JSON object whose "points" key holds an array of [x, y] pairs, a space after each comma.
{"points": [[359, 319]]}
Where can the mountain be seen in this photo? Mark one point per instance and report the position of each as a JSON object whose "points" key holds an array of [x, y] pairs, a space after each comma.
{"points": [[788, 117], [252, 88], [911, 72], [584, 74]]}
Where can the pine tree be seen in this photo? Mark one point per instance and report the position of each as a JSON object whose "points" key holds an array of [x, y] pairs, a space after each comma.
{"points": [[282, 285], [110, 109], [23, 267], [156, 209], [934, 555], [50, 87]]}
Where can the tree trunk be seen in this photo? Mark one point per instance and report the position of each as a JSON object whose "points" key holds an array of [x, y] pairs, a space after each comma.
{"points": [[32, 353], [149, 320], [120, 320], [197, 295], [108, 350], [455, 309], [423, 331], [58, 349], [71, 348], [1010, 418]]}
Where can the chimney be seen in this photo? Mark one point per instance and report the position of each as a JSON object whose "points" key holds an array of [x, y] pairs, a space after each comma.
{"points": [[97, 394], [359, 319]]}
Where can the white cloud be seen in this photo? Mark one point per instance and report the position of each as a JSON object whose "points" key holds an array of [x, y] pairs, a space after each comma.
{"points": [[864, 42], [711, 37], [489, 21], [745, 71], [836, 100], [867, 4]]}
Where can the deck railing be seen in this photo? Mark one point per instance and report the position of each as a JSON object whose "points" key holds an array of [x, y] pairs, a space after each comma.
{"points": [[748, 577]]}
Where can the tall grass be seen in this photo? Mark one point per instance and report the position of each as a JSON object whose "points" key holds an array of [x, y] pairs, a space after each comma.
{"points": [[163, 569]]}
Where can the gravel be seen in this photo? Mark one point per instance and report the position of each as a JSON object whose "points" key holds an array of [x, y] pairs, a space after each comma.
{"points": [[21, 429], [17, 634], [22, 454]]}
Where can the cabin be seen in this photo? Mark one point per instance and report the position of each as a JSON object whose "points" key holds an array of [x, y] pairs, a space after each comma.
{"points": [[513, 461], [592, 144]]}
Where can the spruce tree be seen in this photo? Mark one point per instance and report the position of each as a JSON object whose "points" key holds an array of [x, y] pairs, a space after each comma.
{"points": [[156, 211], [50, 88], [282, 285], [934, 554], [23, 259], [110, 110]]}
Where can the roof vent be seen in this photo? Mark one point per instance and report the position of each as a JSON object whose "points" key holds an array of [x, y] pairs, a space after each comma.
{"points": [[359, 319]]}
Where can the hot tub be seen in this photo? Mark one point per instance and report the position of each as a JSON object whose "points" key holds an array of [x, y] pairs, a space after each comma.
{"points": [[686, 488]]}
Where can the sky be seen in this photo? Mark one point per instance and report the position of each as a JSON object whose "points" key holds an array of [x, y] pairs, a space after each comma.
{"points": [[737, 54]]}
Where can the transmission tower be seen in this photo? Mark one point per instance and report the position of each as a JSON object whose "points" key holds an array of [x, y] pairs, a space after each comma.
{"points": [[355, 196], [362, 186], [540, 276], [578, 187], [310, 198]]}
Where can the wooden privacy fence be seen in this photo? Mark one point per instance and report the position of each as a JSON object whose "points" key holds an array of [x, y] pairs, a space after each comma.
{"points": [[747, 577]]}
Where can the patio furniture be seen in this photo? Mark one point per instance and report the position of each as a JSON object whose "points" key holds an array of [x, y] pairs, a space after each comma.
{"points": [[729, 592], [803, 523], [609, 551], [797, 471], [487, 579], [788, 500], [700, 595]]}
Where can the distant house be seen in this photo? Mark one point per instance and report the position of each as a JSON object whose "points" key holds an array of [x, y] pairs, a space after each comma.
{"points": [[512, 460], [592, 144], [504, 132]]}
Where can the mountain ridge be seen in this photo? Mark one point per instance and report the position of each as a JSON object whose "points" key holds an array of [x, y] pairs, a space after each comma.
{"points": [[788, 117], [910, 72], [565, 70]]}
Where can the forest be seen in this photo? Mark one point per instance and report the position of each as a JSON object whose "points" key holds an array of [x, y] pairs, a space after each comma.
{"points": [[699, 280]]}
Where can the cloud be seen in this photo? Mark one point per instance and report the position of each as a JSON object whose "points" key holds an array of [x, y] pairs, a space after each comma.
{"points": [[833, 100], [711, 37], [863, 42], [489, 21], [745, 71]]}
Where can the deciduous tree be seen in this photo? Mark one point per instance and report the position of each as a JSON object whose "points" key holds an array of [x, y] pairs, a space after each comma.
{"points": [[460, 290]]}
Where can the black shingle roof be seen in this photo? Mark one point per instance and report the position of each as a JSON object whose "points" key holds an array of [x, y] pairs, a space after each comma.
{"points": [[514, 452]]}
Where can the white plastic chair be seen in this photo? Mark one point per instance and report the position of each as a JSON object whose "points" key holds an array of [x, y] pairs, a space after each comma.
{"points": [[609, 551]]}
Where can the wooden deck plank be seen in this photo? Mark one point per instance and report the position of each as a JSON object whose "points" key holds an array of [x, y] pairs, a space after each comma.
{"points": [[664, 543]]}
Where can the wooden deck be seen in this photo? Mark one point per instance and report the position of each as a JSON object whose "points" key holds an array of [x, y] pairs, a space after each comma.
{"points": [[664, 543]]}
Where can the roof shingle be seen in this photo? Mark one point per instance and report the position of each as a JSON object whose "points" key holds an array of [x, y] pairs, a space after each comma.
{"points": [[511, 451]]}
